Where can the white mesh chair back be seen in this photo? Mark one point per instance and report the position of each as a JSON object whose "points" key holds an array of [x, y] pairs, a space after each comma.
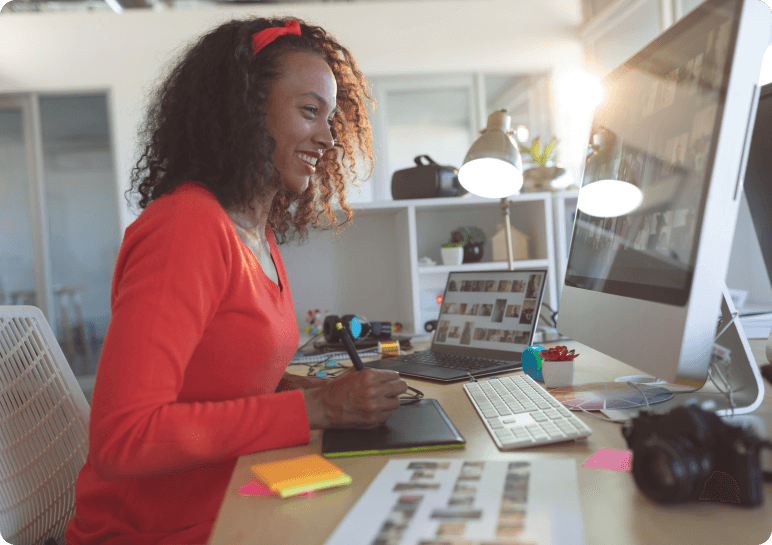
{"points": [[43, 430]]}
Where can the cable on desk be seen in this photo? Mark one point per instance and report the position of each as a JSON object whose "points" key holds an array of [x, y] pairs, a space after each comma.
{"points": [[588, 413], [640, 392], [734, 317], [410, 399], [308, 341], [553, 316]]}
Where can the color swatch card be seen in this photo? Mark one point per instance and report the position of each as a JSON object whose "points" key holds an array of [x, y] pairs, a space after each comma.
{"points": [[419, 501], [298, 475]]}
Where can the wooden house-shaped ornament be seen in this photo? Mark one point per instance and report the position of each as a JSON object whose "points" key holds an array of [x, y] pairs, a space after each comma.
{"points": [[519, 244]]}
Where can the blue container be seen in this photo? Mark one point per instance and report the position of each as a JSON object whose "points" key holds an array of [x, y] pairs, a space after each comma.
{"points": [[532, 362]]}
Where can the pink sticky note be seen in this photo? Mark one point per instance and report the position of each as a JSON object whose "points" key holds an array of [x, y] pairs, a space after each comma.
{"points": [[256, 487], [609, 458]]}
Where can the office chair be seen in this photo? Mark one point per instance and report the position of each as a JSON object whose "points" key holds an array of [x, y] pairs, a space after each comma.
{"points": [[43, 430]]}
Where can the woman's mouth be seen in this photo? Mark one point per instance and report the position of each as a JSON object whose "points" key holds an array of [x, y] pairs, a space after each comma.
{"points": [[309, 161]]}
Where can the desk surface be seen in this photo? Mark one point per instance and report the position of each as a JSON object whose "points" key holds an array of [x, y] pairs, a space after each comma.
{"points": [[614, 511]]}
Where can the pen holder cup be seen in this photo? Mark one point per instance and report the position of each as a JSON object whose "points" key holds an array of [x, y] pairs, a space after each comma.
{"points": [[557, 373], [532, 362]]}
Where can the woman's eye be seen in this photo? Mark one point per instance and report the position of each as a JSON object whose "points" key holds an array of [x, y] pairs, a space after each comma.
{"points": [[311, 109]]}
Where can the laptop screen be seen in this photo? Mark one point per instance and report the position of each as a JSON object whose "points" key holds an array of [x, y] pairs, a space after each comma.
{"points": [[489, 314]]}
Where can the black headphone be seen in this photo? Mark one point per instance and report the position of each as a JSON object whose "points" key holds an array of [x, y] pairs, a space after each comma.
{"points": [[373, 330]]}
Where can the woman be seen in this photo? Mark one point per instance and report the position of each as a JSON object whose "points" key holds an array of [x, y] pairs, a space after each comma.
{"points": [[246, 138]]}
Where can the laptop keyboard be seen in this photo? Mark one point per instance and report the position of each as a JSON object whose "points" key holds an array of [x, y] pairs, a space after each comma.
{"points": [[451, 361]]}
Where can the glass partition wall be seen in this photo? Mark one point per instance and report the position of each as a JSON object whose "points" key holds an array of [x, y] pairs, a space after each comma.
{"points": [[59, 225]]}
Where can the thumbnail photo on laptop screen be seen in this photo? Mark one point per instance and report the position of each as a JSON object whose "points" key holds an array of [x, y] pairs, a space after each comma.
{"points": [[493, 311]]}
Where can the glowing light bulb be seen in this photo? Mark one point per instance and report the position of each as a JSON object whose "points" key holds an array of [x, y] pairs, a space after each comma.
{"points": [[490, 178]]}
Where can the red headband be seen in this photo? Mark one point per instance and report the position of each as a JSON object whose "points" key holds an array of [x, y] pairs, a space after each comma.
{"points": [[266, 36]]}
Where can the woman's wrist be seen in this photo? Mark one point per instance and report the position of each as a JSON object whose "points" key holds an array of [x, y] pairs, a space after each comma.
{"points": [[317, 419], [298, 382]]}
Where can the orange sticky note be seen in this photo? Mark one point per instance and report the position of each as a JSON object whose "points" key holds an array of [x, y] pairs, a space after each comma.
{"points": [[298, 475], [609, 458], [256, 487]]}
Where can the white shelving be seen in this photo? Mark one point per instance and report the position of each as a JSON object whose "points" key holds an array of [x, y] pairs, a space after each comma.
{"points": [[371, 268], [484, 266]]}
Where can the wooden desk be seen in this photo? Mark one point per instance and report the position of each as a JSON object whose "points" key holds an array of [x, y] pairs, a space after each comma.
{"points": [[614, 511]]}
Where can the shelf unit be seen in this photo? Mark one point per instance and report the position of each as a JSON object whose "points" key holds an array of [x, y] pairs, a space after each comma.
{"points": [[371, 267]]}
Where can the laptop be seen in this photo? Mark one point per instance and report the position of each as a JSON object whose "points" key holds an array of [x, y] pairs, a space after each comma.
{"points": [[487, 319]]}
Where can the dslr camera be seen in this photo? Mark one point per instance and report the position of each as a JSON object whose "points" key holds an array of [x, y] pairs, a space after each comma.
{"points": [[674, 455]]}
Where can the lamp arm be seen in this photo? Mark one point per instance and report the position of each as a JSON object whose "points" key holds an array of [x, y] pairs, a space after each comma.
{"points": [[505, 211]]}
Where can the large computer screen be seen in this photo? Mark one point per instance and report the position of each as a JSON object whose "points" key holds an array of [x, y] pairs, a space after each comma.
{"points": [[657, 131], [646, 287], [758, 176]]}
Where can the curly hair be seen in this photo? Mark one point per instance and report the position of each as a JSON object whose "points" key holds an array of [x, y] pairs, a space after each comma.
{"points": [[206, 122]]}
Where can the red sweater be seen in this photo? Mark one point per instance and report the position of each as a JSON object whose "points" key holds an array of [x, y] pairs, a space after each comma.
{"points": [[198, 341]]}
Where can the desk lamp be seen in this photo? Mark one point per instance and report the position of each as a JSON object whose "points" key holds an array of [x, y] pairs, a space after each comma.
{"points": [[493, 168]]}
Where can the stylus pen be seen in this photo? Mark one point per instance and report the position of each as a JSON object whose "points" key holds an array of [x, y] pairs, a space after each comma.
{"points": [[358, 365], [349, 345]]}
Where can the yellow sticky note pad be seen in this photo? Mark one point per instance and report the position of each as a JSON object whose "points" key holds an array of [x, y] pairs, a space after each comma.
{"points": [[299, 475]]}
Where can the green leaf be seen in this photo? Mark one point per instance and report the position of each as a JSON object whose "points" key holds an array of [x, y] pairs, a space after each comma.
{"points": [[550, 147], [535, 149]]}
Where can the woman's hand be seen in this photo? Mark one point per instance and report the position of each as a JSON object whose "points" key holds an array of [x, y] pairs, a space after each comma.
{"points": [[298, 382], [354, 398]]}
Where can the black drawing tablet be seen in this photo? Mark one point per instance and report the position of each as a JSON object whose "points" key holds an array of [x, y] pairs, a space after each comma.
{"points": [[421, 425]]}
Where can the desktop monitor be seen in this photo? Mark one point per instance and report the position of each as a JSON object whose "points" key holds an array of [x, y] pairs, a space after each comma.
{"points": [[646, 287], [758, 183], [758, 176]]}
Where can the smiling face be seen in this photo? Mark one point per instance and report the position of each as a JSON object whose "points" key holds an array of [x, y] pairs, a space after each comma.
{"points": [[300, 110]]}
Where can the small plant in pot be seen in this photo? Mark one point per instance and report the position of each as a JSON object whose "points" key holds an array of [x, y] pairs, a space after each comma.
{"points": [[452, 253], [541, 176], [557, 366], [473, 239]]}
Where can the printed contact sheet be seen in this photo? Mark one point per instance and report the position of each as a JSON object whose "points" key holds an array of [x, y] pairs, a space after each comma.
{"points": [[467, 502]]}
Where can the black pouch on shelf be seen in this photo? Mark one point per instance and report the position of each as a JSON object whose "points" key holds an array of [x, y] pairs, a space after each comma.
{"points": [[425, 181]]}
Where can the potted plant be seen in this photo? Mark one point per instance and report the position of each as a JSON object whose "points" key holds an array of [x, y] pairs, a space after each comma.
{"points": [[473, 239], [557, 366], [452, 253], [540, 176]]}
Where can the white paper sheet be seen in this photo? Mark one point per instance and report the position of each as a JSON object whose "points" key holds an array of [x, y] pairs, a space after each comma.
{"points": [[420, 501]]}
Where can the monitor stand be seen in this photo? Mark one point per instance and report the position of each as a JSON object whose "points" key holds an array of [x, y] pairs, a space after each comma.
{"points": [[743, 374]]}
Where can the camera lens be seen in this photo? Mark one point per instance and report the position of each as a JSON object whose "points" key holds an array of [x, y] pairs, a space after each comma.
{"points": [[671, 471], [665, 474]]}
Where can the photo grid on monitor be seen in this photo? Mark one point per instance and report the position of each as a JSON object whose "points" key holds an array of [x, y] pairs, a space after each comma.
{"points": [[490, 310]]}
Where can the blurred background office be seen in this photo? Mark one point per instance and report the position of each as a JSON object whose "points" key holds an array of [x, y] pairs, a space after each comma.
{"points": [[74, 75]]}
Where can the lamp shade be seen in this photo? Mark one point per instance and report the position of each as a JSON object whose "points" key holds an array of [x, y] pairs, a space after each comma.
{"points": [[492, 167]]}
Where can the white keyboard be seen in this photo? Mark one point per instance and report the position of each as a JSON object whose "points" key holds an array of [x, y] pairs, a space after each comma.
{"points": [[519, 412]]}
